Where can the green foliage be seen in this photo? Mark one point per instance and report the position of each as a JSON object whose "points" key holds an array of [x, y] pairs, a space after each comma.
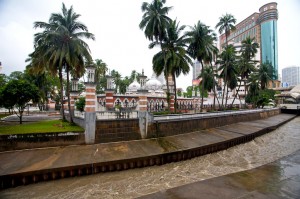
{"points": [[17, 93], [260, 98], [80, 104], [51, 126]]}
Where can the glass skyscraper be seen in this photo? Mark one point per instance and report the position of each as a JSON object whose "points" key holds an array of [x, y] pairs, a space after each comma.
{"points": [[263, 27], [268, 23]]}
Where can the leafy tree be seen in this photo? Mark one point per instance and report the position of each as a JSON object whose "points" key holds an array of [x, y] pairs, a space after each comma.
{"points": [[17, 94], [201, 46], [60, 46], [16, 75], [80, 104], [3, 80]]}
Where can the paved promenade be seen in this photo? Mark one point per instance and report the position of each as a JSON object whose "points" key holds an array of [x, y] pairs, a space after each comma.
{"points": [[280, 179], [38, 161]]}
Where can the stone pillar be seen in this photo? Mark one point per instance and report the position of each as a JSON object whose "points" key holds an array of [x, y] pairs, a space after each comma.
{"points": [[172, 101], [73, 97], [90, 106], [109, 98], [144, 119], [143, 103], [90, 97]]}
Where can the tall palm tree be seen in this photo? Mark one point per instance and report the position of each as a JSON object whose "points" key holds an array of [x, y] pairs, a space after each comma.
{"points": [[155, 19], [264, 74], [226, 24], [246, 63], [201, 45], [227, 61], [174, 54], [65, 48], [154, 23]]}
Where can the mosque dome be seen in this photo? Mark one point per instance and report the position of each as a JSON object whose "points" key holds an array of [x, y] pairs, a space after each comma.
{"points": [[153, 83], [134, 86]]}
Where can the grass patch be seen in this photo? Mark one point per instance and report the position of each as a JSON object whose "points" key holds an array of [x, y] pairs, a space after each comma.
{"points": [[3, 115], [49, 126]]}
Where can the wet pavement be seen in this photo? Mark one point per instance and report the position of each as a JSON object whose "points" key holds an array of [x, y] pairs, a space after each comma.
{"points": [[280, 179]]}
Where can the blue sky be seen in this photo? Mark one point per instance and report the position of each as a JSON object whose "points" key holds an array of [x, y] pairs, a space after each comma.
{"points": [[119, 41]]}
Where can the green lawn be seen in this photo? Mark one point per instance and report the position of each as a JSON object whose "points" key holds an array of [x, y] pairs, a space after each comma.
{"points": [[51, 126], [3, 115]]}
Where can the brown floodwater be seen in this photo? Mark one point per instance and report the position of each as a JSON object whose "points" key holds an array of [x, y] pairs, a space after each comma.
{"points": [[137, 182]]}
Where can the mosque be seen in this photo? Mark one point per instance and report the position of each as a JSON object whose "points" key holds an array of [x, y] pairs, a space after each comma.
{"points": [[145, 95]]}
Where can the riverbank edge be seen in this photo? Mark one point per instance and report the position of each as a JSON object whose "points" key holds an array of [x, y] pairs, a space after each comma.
{"points": [[23, 178]]}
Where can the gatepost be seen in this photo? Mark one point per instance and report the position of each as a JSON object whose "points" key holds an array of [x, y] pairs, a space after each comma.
{"points": [[90, 106]]}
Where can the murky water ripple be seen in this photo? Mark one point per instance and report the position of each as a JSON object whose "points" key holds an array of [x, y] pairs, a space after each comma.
{"points": [[133, 183]]}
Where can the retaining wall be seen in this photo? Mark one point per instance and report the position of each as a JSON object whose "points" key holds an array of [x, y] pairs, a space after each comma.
{"points": [[117, 130], [39, 140], [186, 125]]}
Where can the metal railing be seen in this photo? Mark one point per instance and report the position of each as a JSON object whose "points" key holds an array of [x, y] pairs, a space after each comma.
{"points": [[109, 115]]}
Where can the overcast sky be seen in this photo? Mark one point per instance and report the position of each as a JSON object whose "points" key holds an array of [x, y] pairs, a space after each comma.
{"points": [[119, 41]]}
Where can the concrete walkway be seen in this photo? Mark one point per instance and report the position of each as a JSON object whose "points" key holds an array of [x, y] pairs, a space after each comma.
{"points": [[280, 179], [39, 161]]}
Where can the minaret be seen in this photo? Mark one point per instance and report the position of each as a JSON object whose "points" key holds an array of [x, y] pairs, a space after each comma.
{"points": [[142, 83]]}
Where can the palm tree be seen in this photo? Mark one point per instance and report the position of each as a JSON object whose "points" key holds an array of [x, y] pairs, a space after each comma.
{"points": [[227, 62], [264, 74], [101, 69], [246, 63], [226, 24], [201, 45], [174, 54], [154, 23], [155, 20], [62, 46]]}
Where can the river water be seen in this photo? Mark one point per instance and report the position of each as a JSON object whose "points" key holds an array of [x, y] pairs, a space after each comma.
{"points": [[137, 182]]}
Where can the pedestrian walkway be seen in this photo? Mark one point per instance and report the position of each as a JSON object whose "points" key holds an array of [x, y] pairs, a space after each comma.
{"points": [[34, 165]]}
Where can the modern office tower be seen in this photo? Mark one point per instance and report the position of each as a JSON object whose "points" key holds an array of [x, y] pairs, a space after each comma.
{"points": [[263, 27], [291, 76], [196, 72]]}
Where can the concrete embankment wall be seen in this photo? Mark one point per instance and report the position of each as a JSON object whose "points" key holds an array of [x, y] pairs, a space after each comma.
{"points": [[117, 130], [39, 140], [185, 125]]}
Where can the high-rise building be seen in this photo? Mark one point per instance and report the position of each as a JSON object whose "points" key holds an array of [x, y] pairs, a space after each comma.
{"points": [[196, 72], [291, 76], [263, 27]]}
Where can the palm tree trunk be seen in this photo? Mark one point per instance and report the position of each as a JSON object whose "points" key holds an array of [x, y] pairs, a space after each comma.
{"points": [[237, 92], [226, 97], [175, 92], [61, 94], [225, 80], [202, 87], [68, 94], [214, 86]]}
